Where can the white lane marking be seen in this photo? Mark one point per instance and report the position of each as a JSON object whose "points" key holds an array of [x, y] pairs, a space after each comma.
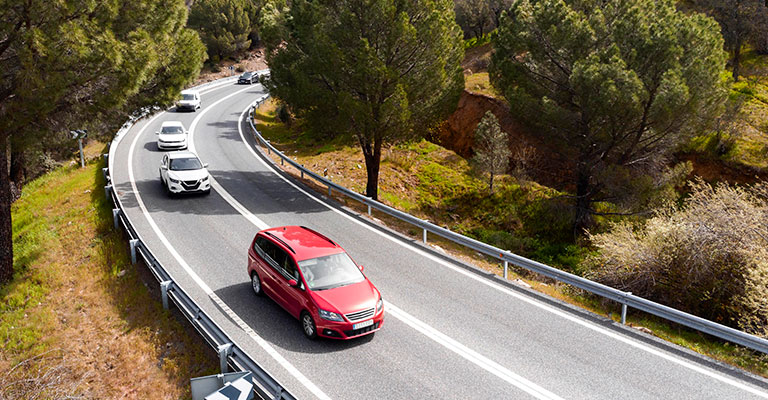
{"points": [[471, 355], [258, 339], [509, 292], [432, 333]]}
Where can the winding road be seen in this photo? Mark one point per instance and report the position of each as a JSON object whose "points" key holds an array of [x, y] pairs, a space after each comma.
{"points": [[451, 331]]}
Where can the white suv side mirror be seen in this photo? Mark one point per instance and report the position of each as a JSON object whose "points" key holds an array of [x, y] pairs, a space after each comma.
{"points": [[205, 165]]}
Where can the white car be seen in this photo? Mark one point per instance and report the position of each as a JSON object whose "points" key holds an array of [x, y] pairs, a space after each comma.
{"points": [[182, 172], [190, 100], [172, 136]]}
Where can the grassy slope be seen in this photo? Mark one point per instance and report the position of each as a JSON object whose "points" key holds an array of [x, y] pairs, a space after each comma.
{"points": [[433, 183], [76, 315], [747, 145]]}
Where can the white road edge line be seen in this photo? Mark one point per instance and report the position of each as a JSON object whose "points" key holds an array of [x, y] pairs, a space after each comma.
{"points": [[258, 339], [509, 292], [432, 333]]}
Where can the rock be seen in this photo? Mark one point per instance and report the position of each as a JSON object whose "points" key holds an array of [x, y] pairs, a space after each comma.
{"points": [[121, 273], [643, 329], [522, 283], [440, 249]]}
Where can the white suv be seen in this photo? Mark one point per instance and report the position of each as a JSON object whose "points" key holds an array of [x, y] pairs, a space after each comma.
{"points": [[190, 100], [171, 136], [182, 172]]}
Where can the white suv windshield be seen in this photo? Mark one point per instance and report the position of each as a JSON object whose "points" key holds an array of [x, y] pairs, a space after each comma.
{"points": [[331, 271], [185, 164], [169, 130], [187, 96]]}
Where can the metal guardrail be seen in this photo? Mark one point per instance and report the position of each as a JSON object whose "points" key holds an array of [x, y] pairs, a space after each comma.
{"points": [[626, 299], [230, 354]]}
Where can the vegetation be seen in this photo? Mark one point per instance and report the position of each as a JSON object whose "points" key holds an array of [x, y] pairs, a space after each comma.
{"points": [[707, 257], [227, 27], [491, 148], [377, 70], [478, 17], [75, 317], [741, 21], [76, 65], [614, 98]]}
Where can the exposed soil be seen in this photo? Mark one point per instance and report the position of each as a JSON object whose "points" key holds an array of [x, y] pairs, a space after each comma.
{"points": [[253, 60], [477, 59]]}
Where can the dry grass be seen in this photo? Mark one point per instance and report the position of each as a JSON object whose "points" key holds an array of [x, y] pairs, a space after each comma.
{"points": [[75, 321]]}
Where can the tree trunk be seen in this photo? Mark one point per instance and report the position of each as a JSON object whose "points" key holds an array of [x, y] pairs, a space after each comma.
{"points": [[6, 235], [18, 174], [583, 218], [491, 183], [737, 62], [372, 164]]}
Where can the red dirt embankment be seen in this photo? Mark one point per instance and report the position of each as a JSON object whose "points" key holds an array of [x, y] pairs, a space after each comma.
{"points": [[529, 151]]}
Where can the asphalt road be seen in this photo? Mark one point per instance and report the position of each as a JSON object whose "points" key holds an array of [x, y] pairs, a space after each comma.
{"points": [[450, 332]]}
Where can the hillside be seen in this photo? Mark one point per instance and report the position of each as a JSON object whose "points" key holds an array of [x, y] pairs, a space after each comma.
{"points": [[75, 321]]}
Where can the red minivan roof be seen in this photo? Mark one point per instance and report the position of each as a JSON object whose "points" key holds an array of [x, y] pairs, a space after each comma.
{"points": [[304, 242]]}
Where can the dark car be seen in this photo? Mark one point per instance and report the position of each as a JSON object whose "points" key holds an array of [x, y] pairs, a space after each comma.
{"points": [[248, 77]]}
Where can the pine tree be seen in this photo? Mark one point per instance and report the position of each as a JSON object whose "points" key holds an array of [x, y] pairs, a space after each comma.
{"points": [[491, 148], [380, 70], [70, 62]]}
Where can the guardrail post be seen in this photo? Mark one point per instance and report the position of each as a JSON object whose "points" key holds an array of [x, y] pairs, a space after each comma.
{"points": [[278, 395], [282, 161], [424, 236], [329, 191], [164, 286], [224, 351], [269, 150], [105, 172], [302, 173], [106, 157], [624, 311], [369, 210], [108, 190], [116, 217], [506, 268], [133, 243]]}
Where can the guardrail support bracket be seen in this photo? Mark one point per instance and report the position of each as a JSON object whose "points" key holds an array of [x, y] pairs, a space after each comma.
{"points": [[105, 171], [133, 243], [164, 286], [224, 351], [116, 217], [108, 190]]}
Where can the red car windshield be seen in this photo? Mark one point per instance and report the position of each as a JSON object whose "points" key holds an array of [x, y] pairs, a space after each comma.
{"points": [[330, 272]]}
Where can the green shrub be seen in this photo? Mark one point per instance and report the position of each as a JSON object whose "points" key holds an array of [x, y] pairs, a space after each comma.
{"points": [[708, 257], [240, 68], [283, 113]]}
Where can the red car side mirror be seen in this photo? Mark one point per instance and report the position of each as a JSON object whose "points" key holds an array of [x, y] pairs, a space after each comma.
{"points": [[293, 283]]}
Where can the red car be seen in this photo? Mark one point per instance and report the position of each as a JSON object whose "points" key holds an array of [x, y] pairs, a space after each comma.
{"points": [[315, 280]]}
